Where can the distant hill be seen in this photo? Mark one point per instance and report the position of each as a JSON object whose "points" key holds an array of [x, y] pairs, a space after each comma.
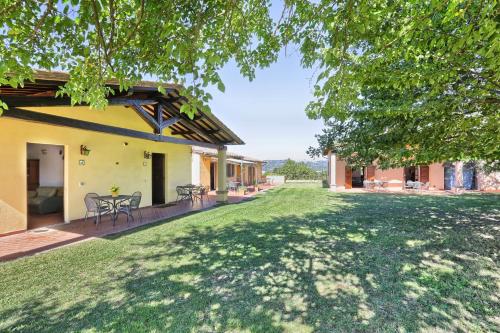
{"points": [[319, 165]]}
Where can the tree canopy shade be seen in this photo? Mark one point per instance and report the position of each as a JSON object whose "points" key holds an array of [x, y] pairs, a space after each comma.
{"points": [[99, 40], [405, 81], [397, 80]]}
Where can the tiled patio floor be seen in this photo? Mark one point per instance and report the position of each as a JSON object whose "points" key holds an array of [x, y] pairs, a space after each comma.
{"points": [[49, 237]]}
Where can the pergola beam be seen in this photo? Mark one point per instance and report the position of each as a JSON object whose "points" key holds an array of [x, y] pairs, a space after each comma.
{"points": [[27, 101], [191, 132], [147, 117], [96, 127], [169, 122]]}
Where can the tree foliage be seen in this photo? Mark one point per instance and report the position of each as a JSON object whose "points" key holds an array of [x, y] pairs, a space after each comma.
{"points": [[405, 81], [296, 170], [395, 79], [185, 42]]}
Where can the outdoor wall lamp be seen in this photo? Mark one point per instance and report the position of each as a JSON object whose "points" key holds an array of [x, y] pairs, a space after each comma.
{"points": [[147, 155], [84, 150]]}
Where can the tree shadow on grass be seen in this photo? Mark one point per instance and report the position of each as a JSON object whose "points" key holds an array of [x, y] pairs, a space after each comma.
{"points": [[377, 263]]}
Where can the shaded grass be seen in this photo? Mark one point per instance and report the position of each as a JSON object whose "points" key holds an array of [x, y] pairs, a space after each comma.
{"points": [[298, 259]]}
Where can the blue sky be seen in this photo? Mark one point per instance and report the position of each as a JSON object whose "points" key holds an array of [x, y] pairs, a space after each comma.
{"points": [[268, 113]]}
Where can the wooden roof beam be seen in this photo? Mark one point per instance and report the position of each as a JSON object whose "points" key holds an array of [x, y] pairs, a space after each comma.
{"points": [[96, 127], [147, 118], [187, 123], [25, 101]]}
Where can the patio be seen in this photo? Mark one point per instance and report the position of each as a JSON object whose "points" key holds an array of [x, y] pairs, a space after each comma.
{"points": [[48, 237]]}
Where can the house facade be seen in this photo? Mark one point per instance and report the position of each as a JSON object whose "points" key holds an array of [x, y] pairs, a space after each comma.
{"points": [[438, 176], [239, 169], [53, 154]]}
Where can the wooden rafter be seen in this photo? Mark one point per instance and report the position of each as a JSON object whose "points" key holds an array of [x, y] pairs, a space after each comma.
{"points": [[190, 126]]}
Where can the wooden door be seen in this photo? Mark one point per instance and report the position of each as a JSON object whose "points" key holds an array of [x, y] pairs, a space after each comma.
{"points": [[158, 177], [251, 175], [370, 173], [424, 174], [33, 174], [348, 177]]}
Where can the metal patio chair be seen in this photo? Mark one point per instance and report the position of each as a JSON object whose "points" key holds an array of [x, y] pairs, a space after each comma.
{"points": [[199, 192], [129, 206], [183, 193], [96, 207]]}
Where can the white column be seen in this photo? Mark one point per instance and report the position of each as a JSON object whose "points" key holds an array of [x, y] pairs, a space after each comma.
{"points": [[332, 171], [222, 177], [459, 175]]}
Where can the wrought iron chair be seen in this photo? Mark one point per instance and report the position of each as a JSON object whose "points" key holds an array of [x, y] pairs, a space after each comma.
{"points": [[182, 193], [129, 206], [96, 207], [199, 192], [233, 186]]}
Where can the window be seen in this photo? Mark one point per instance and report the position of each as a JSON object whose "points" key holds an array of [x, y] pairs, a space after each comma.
{"points": [[230, 170]]}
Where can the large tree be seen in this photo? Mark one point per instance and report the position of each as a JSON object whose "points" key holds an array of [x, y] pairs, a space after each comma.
{"points": [[404, 81], [184, 41]]}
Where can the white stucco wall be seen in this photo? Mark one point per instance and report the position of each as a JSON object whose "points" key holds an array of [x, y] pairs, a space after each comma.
{"points": [[51, 163]]}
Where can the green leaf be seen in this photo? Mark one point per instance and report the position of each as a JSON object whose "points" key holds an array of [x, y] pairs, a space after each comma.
{"points": [[221, 86]]}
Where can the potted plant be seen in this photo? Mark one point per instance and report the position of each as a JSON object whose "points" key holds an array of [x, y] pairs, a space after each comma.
{"points": [[242, 190], [114, 190]]}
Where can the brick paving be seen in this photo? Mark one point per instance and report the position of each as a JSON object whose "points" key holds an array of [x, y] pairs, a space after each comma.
{"points": [[49, 237]]}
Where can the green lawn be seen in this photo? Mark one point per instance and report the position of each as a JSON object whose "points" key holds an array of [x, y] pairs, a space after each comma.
{"points": [[297, 259]]}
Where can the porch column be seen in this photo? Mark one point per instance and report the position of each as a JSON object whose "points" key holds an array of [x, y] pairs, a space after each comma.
{"points": [[459, 175], [221, 172], [332, 171]]}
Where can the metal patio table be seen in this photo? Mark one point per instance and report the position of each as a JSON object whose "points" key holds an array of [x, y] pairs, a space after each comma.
{"points": [[114, 202]]}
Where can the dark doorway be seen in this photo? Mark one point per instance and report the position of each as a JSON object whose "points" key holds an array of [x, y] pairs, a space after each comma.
{"points": [[158, 170], [411, 174], [357, 178], [212, 176]]}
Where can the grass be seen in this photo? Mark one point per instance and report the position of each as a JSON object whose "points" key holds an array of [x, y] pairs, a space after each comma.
{"points": [[298, 259]]}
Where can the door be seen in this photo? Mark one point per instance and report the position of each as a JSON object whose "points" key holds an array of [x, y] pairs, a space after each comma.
{"points": [[449, 177], [158, 179], [212, 176], [348, 178], [424, 174], [33, 174], [370, 172], [251, 175], [469, 177]]}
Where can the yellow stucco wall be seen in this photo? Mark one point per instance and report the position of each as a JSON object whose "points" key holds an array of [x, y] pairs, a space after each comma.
{"points": [[241, 174], [110, 161]]}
